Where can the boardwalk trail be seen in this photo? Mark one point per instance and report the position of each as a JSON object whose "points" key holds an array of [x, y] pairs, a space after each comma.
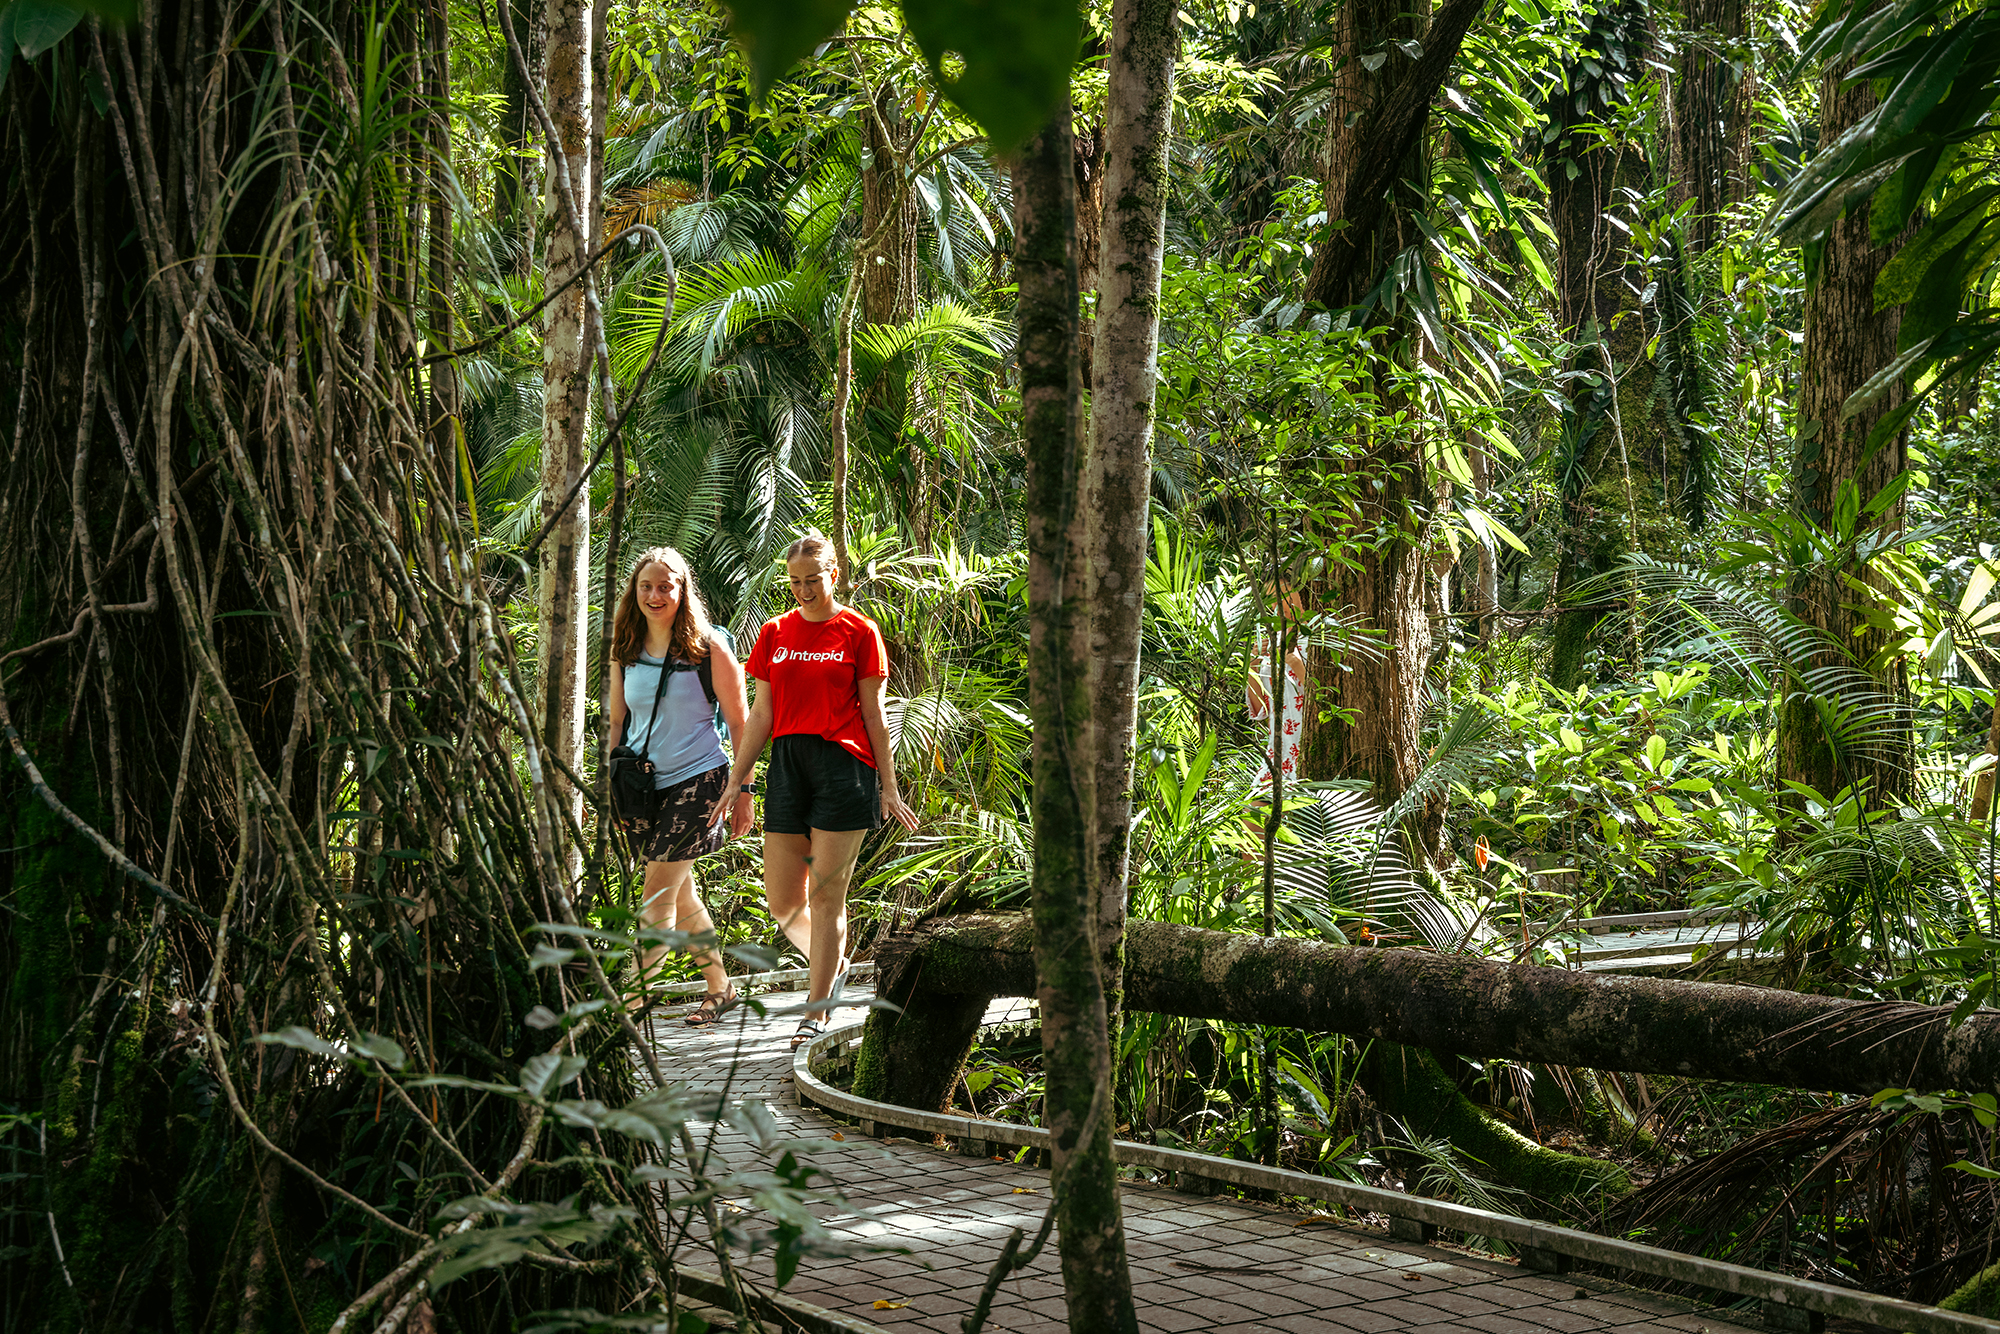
{"points": [[1197, 1264]]}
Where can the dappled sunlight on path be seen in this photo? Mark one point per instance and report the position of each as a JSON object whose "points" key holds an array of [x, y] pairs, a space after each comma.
{"points": [[1197, 1263]]}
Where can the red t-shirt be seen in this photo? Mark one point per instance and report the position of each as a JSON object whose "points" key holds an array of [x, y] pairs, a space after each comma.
{"points": [[814, 671]]}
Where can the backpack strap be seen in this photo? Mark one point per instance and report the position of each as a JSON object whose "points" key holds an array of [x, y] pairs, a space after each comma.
{"points": [[705, 672]]}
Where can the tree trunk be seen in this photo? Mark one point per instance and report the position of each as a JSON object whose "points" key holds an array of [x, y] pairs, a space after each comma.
{"points": [[518, 138], [443, 375], [1622, 468], [1364, 710], [891, 217], [564, 608], [255, 698], [1117, 481], [1465, 1004], [1482, 590], [1982, 786], [1075, 1038], [1847, 340], [1712, 100]]}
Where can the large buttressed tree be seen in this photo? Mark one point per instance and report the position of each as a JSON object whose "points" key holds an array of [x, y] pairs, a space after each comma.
{"points": [[1364, 714], [266, 739]]}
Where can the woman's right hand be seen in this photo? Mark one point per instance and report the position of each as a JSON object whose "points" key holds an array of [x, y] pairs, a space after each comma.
{"points": [[1260, 698]]}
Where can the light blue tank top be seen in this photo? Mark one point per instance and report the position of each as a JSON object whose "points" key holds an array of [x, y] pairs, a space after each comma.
{"points": [[684, 741]]}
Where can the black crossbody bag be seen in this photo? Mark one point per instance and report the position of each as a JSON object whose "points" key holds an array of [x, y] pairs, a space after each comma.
{"points": [[631, 770]]}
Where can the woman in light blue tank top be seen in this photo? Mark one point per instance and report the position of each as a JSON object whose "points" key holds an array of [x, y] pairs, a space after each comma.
{"points": [[669, 675]]}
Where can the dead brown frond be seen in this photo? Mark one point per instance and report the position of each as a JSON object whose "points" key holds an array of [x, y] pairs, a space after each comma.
{"points": [[1852, 1194], [644, 205]]}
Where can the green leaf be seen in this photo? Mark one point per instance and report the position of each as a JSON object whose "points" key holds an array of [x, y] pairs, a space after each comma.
{"points": [[40, 24], [548, 1072], [1656, 752], [547, 955], [777, 34], [302, 1038], [381, 1049], [1975, 1169], [1017, 57], [6, 43], [1571, 742]]}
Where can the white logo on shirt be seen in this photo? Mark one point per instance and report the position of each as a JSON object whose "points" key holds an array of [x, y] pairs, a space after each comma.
{"points": [[800, 655]]}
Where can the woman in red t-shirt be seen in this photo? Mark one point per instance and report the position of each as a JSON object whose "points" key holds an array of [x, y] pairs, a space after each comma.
{"points": [[819, 669]]}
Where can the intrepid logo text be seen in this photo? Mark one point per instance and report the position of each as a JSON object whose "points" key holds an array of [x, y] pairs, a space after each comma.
{"points": [[800, 655]]}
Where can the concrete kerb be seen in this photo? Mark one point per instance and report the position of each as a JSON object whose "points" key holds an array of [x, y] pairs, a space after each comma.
{"points": [[1785, 1298]]}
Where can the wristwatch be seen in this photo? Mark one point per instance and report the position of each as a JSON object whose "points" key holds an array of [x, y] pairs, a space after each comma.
{"points": [[749, 788]]}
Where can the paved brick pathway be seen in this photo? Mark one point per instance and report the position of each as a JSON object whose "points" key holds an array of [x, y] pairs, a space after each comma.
{"points": [[1197, 1264]]}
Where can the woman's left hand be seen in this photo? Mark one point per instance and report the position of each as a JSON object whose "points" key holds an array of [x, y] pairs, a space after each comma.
{"points": [[895, 808]]}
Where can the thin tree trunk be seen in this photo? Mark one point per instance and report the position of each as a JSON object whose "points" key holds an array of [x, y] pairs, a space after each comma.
{"points": [[1075, 1039], [1467, 1004], [443, 375], [1982, 787], [1117, 482], [565, 560]]}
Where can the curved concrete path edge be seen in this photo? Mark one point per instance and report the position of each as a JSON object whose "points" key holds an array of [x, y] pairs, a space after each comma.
{"points": [[1543, 1246]]}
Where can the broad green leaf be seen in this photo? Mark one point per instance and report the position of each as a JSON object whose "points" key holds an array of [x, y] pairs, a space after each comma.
{"points": [[1006, 63], [1974, 1169], [40, 24], [547, 955], [1977, 587], [549, 1071], [382, 1049], [1656, 751], [777, 34], [1571, 742], [302, 1038]]}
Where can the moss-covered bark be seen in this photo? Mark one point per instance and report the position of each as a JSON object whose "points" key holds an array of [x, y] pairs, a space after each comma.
{"points": [[1408, 1083], [1981, 1296], [1068, 963], [912, 1056], [1465, 1004]]}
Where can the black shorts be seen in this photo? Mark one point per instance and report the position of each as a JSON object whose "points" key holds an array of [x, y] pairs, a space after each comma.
{"points": [[680, 830], [812, 783]]}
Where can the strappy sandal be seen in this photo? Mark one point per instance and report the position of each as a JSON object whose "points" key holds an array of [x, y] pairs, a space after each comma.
{"points": [[808, 1030], [714, 1004]]}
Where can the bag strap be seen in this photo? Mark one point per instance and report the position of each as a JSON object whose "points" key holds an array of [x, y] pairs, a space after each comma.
{"points": [[658, 695], [705, 672]]}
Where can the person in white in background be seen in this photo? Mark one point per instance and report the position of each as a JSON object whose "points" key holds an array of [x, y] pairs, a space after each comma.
{"points": [[1293, 720]]}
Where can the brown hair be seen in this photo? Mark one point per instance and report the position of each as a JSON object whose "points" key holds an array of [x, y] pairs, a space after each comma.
{"points": [[813, 546], [688, 637]]}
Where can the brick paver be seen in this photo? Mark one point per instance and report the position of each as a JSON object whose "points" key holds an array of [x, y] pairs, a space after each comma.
{"points": [[1197, 1263]]}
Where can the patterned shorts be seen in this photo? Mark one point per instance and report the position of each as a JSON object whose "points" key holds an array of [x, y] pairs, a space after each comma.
{"points": [[681, 831]]}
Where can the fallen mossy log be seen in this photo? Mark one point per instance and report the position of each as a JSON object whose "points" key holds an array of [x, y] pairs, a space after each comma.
{"points": [[1456, 1003]]}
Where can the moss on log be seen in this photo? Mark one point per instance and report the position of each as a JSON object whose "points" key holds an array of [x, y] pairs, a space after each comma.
{"points": [[1461, 1003], [913, 1055], [1979, 1297], [1409, 1084]]}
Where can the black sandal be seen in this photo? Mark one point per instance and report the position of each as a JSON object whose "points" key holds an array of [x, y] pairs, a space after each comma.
{"points": [[714, 1004], [808, 1030]]}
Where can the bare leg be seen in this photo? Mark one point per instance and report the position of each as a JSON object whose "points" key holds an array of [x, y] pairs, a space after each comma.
{"points": [[785, 867], [658, 900], [833, 856], [692, 914]]}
